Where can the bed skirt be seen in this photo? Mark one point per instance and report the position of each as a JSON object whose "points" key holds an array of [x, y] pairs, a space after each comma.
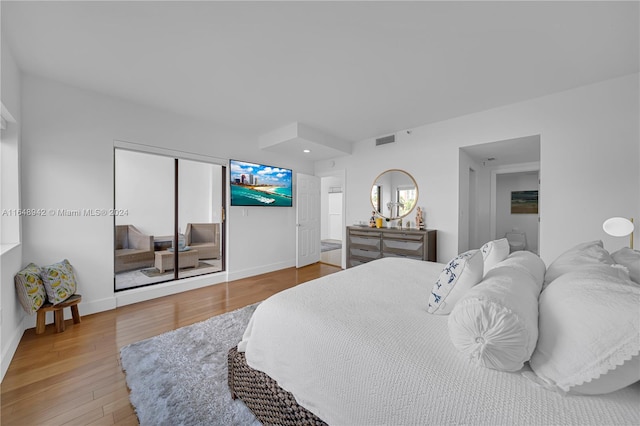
{"points": [[271, 404]]}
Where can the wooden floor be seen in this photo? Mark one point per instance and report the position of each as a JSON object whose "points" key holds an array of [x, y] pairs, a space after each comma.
{"points": [[75, 377]]}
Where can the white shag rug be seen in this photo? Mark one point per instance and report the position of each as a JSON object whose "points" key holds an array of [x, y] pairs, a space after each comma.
{"points": [[180, 377]]}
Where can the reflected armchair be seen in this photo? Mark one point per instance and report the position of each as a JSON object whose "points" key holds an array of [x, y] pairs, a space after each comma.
{"points": [[133, 249], [204, 237]]}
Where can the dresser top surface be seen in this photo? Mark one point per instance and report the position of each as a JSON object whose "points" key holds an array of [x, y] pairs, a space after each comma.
{"points": [[399, 230]]}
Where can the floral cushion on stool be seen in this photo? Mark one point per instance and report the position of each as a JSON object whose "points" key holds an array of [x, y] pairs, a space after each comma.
{"points": [[59, 281], [30, 288]]}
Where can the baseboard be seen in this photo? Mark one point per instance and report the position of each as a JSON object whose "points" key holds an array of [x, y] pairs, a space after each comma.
{"points": [[10, 350], [135, 295], [85, 308], [250, 272], [93, 307]]}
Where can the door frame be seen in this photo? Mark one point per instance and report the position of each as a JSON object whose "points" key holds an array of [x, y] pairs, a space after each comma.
{"points": [[342, 174]]}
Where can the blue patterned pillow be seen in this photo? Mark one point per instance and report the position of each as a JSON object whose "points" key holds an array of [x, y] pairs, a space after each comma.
{"points": [[461, 273]]}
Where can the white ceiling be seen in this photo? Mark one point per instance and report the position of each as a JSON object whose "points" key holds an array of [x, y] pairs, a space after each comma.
{"points": [[352, 70]]}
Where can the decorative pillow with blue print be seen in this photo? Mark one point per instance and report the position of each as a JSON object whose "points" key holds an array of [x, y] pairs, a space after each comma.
{"points": [[494, 252], [461, 273]]}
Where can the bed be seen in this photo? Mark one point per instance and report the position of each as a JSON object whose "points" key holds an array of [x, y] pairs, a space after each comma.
{"points": [[359, 348]]}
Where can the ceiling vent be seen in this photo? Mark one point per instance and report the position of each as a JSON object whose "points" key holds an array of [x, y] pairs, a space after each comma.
{"points": [[385, 140]]}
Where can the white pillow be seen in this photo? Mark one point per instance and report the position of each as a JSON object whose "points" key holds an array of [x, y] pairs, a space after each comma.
{"points": [[495, 325], [630, 259], [527, 261], [461, 273], [589, 325], [589, 253], [494, 252], [612, 380]]}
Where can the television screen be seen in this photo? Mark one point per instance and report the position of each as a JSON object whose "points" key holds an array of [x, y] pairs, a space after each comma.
{"points": [[259, 185]]}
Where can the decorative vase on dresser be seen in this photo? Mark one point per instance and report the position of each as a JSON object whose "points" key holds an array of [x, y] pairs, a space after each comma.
{"points": [[367, 244]]}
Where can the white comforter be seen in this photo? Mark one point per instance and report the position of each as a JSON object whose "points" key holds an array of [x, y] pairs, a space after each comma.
{"points": [[359, 348]]}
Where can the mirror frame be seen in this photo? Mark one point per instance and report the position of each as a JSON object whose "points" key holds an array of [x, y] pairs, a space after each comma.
{"points": [[375, 208]]}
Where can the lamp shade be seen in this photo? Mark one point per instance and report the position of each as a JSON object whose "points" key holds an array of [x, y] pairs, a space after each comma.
{"points": [[618, 226]]}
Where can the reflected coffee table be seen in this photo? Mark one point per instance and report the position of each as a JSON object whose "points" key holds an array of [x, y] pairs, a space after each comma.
{"points": [[186, 259]]}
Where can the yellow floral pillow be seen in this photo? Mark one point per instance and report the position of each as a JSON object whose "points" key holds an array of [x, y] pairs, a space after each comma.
{"points": [[30, 288], [59, 281]]}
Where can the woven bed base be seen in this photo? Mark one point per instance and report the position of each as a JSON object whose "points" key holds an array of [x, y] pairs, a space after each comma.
{"points": [[271, 404]]}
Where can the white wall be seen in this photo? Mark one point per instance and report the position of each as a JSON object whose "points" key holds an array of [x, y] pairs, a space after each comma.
{"points": [[9, 183], [505, 220], [68, 141], [589, 146], [11, 313]]}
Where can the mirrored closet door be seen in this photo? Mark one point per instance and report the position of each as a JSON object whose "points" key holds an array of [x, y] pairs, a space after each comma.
{"points": [[171, 226]]}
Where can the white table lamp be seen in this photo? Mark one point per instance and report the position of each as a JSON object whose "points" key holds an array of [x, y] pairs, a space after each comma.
{"points": [[619, 227]]}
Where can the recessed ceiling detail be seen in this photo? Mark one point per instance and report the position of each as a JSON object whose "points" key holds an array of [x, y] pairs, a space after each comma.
{"points": [[299, 137]]}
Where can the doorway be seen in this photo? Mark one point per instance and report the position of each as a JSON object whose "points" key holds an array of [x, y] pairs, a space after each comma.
{"points": [[332, 219], [484, 212]]}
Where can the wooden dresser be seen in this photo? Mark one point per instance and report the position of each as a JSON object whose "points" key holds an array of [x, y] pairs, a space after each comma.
{"points": [[366, 244]]}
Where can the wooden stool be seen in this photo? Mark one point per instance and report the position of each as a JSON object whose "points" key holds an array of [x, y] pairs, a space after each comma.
{"points": [[58, 313]]}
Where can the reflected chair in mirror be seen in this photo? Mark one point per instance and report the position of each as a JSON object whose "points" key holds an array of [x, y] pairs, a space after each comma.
{"points": [[133, 249], [204, 237]]}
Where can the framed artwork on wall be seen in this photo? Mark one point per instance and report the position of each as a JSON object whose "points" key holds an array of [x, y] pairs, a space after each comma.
{"points": [[524, 202]]}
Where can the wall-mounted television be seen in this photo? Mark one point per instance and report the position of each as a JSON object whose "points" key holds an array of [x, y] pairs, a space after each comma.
{"points": [[259, 185]]}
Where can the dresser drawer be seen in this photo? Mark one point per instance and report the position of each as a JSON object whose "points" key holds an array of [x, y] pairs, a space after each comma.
{"points": [[355, 262], [368, 234], [364, 242], [402, 236], [365, 255], [403, 247]]}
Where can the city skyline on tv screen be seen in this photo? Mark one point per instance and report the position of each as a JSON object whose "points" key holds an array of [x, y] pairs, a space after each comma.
{"points": [[254, 184]]}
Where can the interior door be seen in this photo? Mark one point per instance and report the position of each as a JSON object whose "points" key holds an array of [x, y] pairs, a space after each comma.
{"points": [[307, 220]]}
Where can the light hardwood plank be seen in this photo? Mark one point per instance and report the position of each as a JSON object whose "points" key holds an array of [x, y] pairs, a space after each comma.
{"points": [[75, 377]]}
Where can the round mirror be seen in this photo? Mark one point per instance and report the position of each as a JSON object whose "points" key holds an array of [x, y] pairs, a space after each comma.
{"points": [[394, 194]]}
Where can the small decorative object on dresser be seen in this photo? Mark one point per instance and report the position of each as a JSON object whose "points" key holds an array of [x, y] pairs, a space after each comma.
{"points": [[419, 219], [365, 245]]}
